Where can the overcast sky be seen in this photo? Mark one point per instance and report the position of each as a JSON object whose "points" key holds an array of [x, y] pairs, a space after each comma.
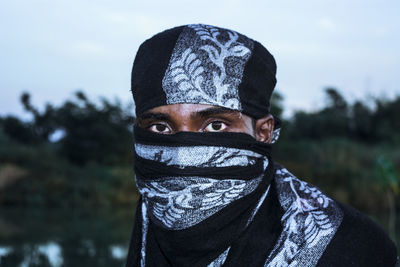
{"points": [[51, 48]]}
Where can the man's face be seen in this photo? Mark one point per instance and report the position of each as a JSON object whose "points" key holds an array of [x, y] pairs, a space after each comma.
{"points": [[170, 119]]}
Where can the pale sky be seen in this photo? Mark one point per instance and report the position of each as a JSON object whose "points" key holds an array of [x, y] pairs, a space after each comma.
{"points": [[52, 48]]}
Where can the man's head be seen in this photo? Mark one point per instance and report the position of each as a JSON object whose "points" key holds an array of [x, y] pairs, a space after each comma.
{"points": [[189, 82], [201, 78]]}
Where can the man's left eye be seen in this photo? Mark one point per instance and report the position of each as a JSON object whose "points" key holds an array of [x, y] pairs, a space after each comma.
{"points": [[215, 126]]}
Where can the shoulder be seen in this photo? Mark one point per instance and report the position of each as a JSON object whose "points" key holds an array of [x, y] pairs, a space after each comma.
{"points": [[334, 233], [358, 242]]}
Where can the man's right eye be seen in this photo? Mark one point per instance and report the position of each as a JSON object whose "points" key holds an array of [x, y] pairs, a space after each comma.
{"points": [[160, 128]]}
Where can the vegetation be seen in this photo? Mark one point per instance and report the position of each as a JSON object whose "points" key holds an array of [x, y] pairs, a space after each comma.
{"points": [[88, 165], [78, 154]]}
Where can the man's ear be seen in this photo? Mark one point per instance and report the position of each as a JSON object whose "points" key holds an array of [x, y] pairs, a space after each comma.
{"points": [[265, 129]]}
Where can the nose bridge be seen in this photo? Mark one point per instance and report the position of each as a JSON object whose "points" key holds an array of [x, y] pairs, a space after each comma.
{"points": [[185, 125], [183, 118]]}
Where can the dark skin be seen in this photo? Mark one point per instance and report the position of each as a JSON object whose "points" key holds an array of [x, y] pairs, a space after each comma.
{"points": [[170, 119]]}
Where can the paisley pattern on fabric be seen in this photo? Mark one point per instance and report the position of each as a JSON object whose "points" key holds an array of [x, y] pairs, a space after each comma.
{"points": [[198, 156], [310, 221], [179, 203], [223, 53]]}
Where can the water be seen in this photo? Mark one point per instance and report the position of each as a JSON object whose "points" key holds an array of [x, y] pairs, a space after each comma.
{"points": [[56, 238]]}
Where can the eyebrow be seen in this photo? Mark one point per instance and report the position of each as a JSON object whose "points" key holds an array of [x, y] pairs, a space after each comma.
{"points": [[212, 112], [155, 116], [194, 115]]}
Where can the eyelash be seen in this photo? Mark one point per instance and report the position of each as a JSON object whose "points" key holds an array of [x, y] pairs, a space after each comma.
{"points": [[209, 123], [158, 124], [204, 127]]}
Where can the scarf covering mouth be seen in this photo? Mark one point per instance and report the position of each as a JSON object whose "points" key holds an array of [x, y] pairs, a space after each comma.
{"points": [[199, 192], [184, 184], [217, 199]]}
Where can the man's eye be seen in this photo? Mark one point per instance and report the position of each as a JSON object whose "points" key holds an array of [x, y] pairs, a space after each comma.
{"points": [[159, 128], [216, 126]]}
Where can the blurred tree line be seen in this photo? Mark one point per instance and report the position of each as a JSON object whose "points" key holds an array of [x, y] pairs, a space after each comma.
{"points": [[75, 155], [372, 123], [79, 153], [89, 132]]}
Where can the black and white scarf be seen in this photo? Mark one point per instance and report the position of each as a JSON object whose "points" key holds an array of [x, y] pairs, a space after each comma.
{"points": [[217, 199], [207, 198]]}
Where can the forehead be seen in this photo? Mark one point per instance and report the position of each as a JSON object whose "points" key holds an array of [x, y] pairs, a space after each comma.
{"points": [[192, 110], [184, 108]]}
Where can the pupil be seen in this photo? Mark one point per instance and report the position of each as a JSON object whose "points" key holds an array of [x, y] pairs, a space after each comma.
{"points": [[216, 126], [160, 128]]}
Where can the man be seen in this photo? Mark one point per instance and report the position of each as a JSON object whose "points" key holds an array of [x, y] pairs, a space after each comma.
{"points": [[211, 193]]}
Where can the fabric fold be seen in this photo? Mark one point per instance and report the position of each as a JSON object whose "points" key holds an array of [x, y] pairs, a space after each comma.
{"points": [[200, 191]]}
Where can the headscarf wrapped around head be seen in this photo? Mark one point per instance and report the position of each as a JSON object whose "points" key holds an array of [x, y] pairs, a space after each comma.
{"points": [[203, 64], [206, 196]]}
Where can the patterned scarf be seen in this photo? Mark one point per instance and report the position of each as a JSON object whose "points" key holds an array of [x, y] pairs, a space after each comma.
{"points": [[217, 199], [196, 186], [202, 193], [203, 64]]}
